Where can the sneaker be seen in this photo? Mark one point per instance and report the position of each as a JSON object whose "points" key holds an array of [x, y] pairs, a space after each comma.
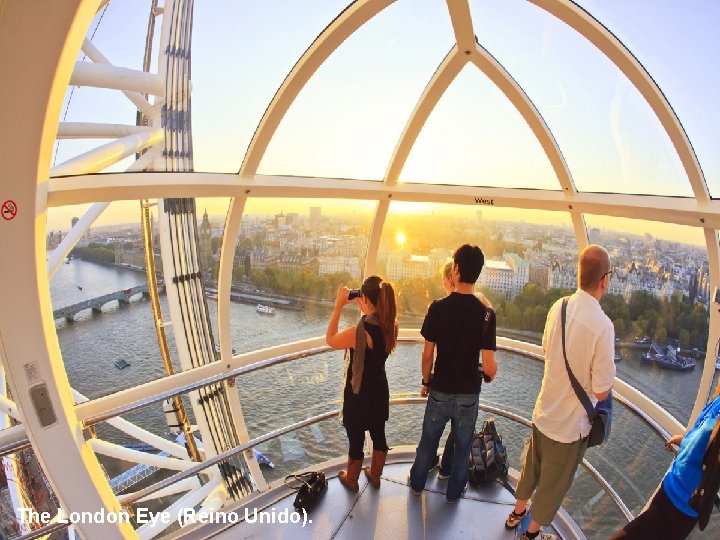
{"points": [[541, 536], [414, 491], [443, 475], [514, 519]]}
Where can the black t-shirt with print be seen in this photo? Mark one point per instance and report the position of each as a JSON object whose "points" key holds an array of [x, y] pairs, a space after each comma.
{"points": [[455, 324]]}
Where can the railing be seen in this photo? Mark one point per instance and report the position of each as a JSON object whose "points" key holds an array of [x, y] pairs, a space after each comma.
{"points": [[200, 467], [19, 442]]}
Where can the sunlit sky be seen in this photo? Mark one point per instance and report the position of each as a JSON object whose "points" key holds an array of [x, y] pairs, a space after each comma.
{"points": [[346, 121]]}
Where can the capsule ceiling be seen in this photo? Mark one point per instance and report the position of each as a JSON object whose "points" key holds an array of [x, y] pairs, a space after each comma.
{"points": [[349, 117]]}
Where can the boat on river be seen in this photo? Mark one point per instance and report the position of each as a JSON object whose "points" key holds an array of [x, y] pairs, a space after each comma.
{"points": [[121, 363], [652, 353], [265, 310], [668, 358]]}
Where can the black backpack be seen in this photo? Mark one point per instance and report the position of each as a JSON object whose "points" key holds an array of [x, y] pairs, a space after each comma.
{"points": [[488, 457]]}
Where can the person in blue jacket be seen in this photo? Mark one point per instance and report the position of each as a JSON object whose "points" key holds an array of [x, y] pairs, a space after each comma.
{"points": [[690, 485]]}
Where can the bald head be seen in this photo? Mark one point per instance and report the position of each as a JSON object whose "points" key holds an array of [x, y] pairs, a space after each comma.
{"points": [[593, 265]]}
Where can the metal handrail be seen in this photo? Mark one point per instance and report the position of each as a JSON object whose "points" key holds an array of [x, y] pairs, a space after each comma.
{"points": [[197, 469], [185, 388], [182, 389]]}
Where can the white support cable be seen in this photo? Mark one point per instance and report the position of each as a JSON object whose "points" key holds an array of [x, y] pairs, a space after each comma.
{"points": [[215, 499], [9, 408], [97, 57], [192, 499], [116, 78], [136, 456], [188, 484], [712, 243], [99, 158], [71, 239], [135, 431], [92, 130], [73, 236]]}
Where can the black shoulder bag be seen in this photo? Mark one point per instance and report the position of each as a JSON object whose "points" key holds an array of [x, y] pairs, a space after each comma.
{"points": [[601, 416], [312, 485]]}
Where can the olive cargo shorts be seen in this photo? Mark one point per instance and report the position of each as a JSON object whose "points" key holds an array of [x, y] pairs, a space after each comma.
{"points": [[548, 469]]}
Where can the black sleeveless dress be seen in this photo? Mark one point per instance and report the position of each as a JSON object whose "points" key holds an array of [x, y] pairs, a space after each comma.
{"points": [[370, 406]]}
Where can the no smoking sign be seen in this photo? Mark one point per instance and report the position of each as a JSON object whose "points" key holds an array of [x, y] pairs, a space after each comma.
{"points": [[9, 210]]}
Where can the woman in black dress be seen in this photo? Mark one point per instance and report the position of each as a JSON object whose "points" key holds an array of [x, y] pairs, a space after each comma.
{"points": [[365, 392]]}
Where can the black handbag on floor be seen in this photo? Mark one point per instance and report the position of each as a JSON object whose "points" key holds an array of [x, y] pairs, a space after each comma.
{"points": [[601, 416], [312, 485]]}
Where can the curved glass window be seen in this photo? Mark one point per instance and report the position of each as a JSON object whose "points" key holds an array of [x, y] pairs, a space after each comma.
{"points": [[347, 120], [530, 257], [475, 136], [609, 136], [256, 44], [291, 257], [109, 259], [676, 46], [658, 302]]}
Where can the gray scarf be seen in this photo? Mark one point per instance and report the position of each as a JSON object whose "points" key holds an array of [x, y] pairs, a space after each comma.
{"points": [[358, 362]]}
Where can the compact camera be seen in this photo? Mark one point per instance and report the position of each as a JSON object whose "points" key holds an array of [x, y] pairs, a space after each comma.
{"points": [[354, 293]]}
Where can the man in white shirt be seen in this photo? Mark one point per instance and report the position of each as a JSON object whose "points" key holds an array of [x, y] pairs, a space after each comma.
{"points": [[560, 423]]}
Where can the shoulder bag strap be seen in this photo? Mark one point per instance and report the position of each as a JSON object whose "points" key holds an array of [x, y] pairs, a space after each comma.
{"points": [[579, 391]]}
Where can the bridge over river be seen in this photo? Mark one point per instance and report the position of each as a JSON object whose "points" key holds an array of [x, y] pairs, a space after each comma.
{"points": [[123, 297]]}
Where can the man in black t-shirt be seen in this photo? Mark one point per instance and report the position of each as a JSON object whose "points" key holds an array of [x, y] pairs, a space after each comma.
{"points": [[460, 326]]}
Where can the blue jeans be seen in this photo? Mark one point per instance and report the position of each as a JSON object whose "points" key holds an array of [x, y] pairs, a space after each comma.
{"points": [[462, 411], [447, 455]]}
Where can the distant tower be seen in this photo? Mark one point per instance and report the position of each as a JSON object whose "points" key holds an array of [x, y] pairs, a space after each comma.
{"points": [[280, 220], [206, 260], [315, 214]]}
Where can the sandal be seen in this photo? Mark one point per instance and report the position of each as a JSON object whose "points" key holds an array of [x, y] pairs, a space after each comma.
{"points": [[514, 519]]}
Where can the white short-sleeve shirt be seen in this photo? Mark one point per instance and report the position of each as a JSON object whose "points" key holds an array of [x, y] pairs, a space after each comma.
{"points": [[590, 346]]}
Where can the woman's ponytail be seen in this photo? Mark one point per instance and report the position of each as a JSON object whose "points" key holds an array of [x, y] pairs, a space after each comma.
{"points": [[386, 311]]}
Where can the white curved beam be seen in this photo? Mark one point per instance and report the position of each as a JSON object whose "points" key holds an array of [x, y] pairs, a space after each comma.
{"points": [[356, 14], [712, 241], [577, 18], [227, 258], [128, 186], [444, 75], [522, 103], [38, 48], [375, 234]]}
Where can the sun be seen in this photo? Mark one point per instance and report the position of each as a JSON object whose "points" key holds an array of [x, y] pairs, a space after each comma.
{"points": [[400, 238]]}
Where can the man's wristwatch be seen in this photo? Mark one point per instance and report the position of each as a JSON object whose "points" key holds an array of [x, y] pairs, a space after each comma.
{"points": [[425, 383]]}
